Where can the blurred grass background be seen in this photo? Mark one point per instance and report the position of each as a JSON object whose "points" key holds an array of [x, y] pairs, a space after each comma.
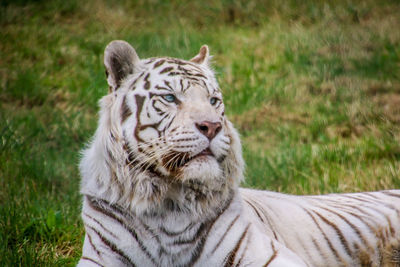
{"points": [[312, 86]]}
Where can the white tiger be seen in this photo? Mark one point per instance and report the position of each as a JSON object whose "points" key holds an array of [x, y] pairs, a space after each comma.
{"points": [[160, 181]]}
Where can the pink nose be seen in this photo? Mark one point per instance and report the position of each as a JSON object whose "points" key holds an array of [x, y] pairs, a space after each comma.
{"points": [[209, 129]]}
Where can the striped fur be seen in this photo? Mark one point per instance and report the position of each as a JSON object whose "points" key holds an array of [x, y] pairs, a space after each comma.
{"points": [[160, 184], [359, 229], [117, 237]]}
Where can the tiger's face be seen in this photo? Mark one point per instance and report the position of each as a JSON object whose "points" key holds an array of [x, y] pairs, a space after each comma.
{"points": [[168, 114], [173, 120]]}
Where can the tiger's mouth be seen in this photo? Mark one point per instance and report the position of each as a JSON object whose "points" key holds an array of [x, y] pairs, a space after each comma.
{"points": [[179, 160], [204, 153]]}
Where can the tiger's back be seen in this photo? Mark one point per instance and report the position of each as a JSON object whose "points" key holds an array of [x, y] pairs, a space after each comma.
{"points": [[358, 229]]}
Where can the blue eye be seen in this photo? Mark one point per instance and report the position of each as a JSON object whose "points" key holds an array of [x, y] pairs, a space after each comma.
{"points": [[169, 98], [213, 100]]}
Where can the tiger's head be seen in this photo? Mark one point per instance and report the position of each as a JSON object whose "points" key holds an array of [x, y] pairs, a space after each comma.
{"points": [[162, 134]]}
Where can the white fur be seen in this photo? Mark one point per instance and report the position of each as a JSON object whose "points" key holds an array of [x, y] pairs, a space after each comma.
{"points": [[138, 210]]}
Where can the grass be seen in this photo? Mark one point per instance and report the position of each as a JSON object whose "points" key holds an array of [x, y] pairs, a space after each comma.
{"points": [[313, 88]]}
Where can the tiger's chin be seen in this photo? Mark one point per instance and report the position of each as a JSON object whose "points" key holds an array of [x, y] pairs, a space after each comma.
{"points": [[204, 169]]}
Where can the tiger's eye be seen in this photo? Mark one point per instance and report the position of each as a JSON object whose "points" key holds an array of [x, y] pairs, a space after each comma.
{"points": [[169, 98], [213, 100]]}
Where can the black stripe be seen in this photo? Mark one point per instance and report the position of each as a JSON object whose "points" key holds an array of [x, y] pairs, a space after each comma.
{"points": [[382, 202], [132, 86], [160, 102], [183, 146], [376, 202], [390, 194], [187, 87], [370, 201], [199, 75], [177, 61], [224, 235], [93, 204], [158, 63], [120, 211], [175, 73], [151, 60], [194, 66], [317, 246], [199, 249], [230, 259], [357, 208], [123, 214], [205, 85], [160, 88], [91, 243], [101, 225], [139, 106], [305, 247], [117, 209], [361, 219], [171, 234], [255, 210], [355, 228], [167, 83], [362, 208], [391, 229], [370, 194], [360, 198], [335, 252], [92, 260], [159, 111], [199, 233], [271, 227], [338, 232], [273, 255], [170, 122], [181, 84], [147, 83], [379, 211], [354, 196], [167, 69], [113, 247], [244, 251], [125, 110]]}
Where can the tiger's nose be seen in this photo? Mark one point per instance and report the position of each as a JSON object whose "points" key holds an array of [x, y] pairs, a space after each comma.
{"points": [[209, 129]]}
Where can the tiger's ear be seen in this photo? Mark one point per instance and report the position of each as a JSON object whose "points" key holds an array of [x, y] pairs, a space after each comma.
{"points": [[203, 56], [119, 59]]}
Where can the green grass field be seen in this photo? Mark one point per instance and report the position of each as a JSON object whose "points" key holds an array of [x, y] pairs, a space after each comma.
{"points": [[313, 88]]}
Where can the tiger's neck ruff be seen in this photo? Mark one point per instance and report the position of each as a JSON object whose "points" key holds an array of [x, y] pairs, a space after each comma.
{"points": [[163, 143]]}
